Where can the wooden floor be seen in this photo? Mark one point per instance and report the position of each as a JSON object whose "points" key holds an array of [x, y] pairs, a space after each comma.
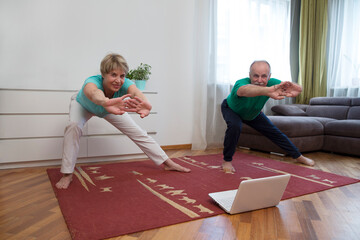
{"points": [[29, 209]]}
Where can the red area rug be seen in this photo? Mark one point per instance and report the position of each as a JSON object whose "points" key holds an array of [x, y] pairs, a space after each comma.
{"points": [[110, 200]]}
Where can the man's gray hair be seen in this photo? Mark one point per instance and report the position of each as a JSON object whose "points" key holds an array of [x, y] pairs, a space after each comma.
{"points": [[263, 61]]}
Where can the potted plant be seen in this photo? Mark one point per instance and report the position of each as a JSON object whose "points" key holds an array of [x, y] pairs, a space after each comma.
{"points": [[140, 75]]}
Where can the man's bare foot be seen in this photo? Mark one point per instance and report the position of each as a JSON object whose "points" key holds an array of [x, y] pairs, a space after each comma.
{"points": [[170, 165], [227, 167], [64, 181], [305, 160]]}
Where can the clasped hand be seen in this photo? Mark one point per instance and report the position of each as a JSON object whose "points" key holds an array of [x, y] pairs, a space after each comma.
{"points": [[286, 89], [119, 106]]}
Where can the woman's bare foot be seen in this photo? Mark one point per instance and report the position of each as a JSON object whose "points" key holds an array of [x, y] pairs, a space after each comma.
{"points": [[170, 165], [64, 181], [305, 160], [227, 167]]}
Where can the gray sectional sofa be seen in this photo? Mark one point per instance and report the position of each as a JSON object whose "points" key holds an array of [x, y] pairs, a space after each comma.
{"points": [[328, 123]]}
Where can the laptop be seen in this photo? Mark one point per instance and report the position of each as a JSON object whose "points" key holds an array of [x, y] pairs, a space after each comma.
{"points": [[252, 194]]}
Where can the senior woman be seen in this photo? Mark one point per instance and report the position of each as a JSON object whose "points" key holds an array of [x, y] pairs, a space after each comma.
{"points": [[108, 96]]}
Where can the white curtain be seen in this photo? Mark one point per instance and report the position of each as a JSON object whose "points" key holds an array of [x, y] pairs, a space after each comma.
{"points": [[231, 34], [343, 75], [205, 51]]}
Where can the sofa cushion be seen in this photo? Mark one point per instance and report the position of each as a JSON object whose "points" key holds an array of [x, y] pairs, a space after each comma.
{"points": [[324, 120], [342, 144], [344, 128], [288, 110], [330, 111], [330, 107], [354, 113], [355, 101]]}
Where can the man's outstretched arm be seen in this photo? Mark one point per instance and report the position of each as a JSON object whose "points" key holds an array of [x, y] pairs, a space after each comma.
{"points": [[277, 92], [251, 90]]}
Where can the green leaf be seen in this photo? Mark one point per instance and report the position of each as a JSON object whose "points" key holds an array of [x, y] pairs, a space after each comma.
{"points": [[142, 72]]}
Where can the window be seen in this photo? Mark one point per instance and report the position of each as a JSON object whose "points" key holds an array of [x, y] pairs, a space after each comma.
{"points": [[344, 48], [249, 30]]}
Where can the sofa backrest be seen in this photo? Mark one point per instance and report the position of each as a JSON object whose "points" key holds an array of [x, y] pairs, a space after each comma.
{"points": [[334, 107], [330, 107], [342, 101], [354, 111]]}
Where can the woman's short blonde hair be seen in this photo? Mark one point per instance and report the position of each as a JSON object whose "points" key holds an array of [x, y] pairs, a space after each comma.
{"points": [[113, 61]]}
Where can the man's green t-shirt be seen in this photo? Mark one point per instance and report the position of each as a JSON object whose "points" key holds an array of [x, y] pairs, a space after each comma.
{"points": [[248, 108]]}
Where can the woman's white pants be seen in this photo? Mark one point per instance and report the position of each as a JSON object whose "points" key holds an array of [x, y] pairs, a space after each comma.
{"points": [[78, 116]]}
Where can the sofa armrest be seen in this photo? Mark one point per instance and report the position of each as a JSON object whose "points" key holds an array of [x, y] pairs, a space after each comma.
{"points": [[290, 109]]}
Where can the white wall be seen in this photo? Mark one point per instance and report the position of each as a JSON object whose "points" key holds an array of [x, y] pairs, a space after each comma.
{"points": [[56, 44]]}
